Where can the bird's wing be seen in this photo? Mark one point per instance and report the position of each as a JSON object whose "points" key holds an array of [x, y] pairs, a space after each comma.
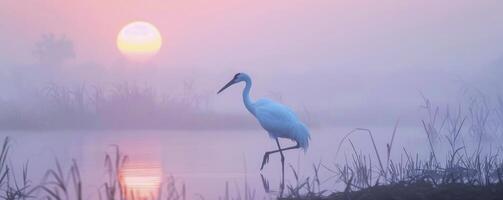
{"points": [[274, 117]]}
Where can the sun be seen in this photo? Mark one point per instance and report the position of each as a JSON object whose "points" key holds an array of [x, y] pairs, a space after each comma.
{"points": [[139, 41]]}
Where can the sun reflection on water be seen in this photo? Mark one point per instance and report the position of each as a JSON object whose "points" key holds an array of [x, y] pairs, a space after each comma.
{"points": [[141, 180]]}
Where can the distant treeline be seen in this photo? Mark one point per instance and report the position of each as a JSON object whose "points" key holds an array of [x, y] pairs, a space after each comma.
{"points": [[122, 106]]}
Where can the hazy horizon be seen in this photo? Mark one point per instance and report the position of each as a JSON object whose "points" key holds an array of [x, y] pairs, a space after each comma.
{"points": [[338, 60]]}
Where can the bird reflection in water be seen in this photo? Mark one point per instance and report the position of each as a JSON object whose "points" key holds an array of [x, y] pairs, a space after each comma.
{"points": [[267, 188]]}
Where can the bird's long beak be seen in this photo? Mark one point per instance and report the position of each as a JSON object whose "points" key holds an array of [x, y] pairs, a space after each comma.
{"points": [[226, 86]]}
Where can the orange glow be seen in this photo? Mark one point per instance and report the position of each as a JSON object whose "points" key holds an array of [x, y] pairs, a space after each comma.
{"points": [[139, 40], [142, 180]]}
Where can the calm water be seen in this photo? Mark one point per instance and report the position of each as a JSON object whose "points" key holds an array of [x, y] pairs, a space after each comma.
{"points": [[203, 160]]}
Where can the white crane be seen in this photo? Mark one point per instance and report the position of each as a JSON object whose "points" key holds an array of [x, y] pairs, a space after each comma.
{"points": [[277, 119]]}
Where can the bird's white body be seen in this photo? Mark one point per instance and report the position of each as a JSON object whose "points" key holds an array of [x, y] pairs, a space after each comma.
{"points": [[280, 121], [277, 119]]}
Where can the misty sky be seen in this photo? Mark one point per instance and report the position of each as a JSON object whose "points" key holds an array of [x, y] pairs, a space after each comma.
{"points": [[343, 57]]}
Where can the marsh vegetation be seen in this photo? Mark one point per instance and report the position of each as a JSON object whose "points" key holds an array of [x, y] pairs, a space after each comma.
{"points": [[119, 106], [462, 161]]}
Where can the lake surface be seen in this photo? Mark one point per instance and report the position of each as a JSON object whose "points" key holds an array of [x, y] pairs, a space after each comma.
{"points": [[203, 160]]}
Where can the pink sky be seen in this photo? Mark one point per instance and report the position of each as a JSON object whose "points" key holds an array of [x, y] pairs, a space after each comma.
{"points": [[201, 29], [360, 50]]}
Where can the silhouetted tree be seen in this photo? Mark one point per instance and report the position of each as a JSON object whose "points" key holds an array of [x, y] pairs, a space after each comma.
{"points": [[54, 51]]}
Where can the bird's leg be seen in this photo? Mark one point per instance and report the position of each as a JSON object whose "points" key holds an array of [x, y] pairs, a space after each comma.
{"points": [[265, 159], [266, 155], [282, 184]]}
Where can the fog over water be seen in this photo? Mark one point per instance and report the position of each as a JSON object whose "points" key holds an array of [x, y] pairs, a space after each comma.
{"points": [[203, 160]]}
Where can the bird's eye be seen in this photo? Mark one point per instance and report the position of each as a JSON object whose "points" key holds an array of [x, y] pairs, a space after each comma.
{"points": [[236, 76]]}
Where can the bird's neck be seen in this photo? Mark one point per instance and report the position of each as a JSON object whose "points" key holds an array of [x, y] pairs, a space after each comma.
{"points": [[246, 96]]}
